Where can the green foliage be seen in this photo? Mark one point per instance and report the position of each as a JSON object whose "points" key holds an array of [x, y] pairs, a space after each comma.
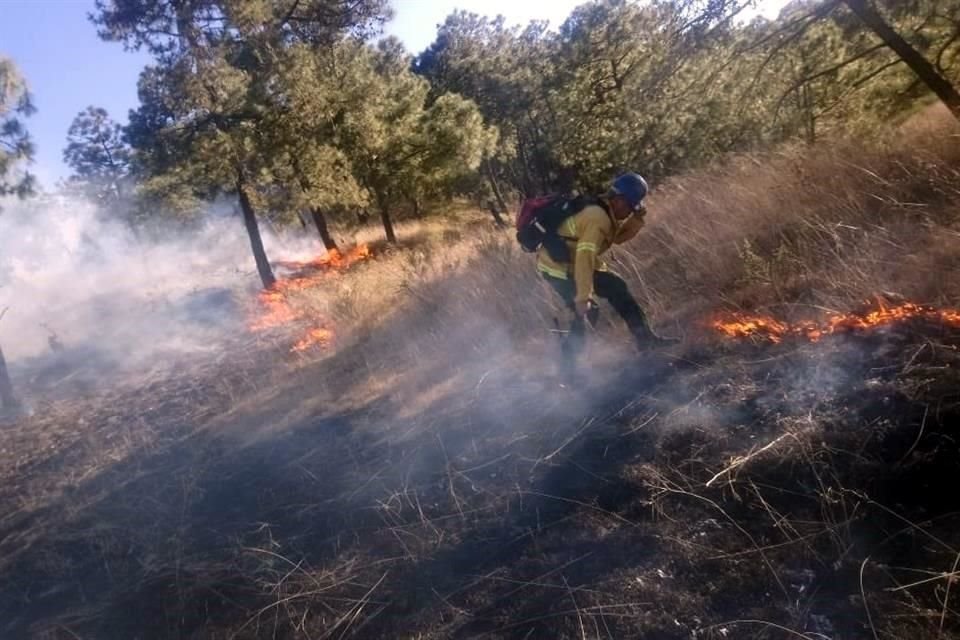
{"points": [[170, 29], [664, 86], [304, 119], [16, 148], [622, 85], [832, 73], [287, 100], [508, 72], [98, 155], [400, 149]]}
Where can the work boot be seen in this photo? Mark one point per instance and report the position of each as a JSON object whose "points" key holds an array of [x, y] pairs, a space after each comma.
{"points": [[662, 341], [650, 340]]}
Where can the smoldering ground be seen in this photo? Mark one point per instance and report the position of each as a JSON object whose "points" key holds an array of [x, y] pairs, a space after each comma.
{"points": [[86, 296], [433, 478]]}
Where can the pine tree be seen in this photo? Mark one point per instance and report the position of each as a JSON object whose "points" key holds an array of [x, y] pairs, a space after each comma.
{"points": [[16, 147], [98, 155]]}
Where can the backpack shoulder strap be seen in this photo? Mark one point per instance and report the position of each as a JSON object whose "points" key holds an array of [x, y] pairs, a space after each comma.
{"points": [[584, 201], [581, 202]]}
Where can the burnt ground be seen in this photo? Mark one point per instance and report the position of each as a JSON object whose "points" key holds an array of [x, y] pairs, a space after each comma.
{"points": [[730, 490]]}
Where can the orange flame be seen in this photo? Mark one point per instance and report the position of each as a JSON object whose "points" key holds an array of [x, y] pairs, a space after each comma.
{"points": [[275, 301], [318, 336], [738, 325], [332, 260], [276, 311]]}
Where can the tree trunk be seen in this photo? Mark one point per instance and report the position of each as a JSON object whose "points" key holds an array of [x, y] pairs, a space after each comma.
{"points": [[810, 116], [527, 187], [495, 212], [925, 71], [492, 178], [8, 402], [321, 221], [253, 231], [387, 223]]}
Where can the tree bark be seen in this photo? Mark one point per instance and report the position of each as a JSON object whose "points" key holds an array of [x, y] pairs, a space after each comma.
{"points": [[495, 212], [809, 113], [925, 71], [253, 231], [527, 186], [8, 401], [492, 178], [321, 221], [387, 224]]}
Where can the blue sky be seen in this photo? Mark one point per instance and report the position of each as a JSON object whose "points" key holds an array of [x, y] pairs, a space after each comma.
{"points": [[68, 67]]}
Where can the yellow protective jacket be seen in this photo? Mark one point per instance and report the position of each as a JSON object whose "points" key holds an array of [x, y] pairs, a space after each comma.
{"points": [[589, 234]]}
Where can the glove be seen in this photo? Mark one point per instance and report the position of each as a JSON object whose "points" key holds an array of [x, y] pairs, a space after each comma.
{"points": [[588, 310]]}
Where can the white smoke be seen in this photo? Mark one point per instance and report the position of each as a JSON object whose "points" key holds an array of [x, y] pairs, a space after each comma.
{"points": [[80, 286]]}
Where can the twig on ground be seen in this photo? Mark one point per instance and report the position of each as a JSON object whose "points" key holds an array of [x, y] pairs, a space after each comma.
{"points": [[863, 594], [642, 424], [536, 583], [586, 425], [583, 630], [455, 608], [559, 614], [664, 486], [946, 596], [615, 516], [486, 464], [449, 469], [942, 575], [355, 610], [59, 626], [923, 424], [742, 460], [765, 623], [907, 366]]}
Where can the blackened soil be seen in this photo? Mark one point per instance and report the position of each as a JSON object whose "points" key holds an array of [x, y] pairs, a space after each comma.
{"points": [[584, 513]]}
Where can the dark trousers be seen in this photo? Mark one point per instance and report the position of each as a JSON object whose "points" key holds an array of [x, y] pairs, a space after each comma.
{"points": [[613, 289]]}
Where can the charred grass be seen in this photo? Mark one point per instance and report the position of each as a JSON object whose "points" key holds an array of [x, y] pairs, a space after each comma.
{"points": [[433, 476]]}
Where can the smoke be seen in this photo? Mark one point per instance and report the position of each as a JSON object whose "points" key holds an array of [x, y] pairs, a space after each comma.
{"points": [[82, 291]]}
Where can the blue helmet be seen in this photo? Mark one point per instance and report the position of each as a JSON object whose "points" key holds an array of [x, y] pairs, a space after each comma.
{"points": [[631, 186]]}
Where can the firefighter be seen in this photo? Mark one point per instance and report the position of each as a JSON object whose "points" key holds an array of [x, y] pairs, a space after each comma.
{"points": [[613, 218]]}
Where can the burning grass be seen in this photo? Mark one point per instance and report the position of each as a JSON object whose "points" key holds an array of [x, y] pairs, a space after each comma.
{"points": [[821, 228], [430, 477], [743, 325], [278, 308]]}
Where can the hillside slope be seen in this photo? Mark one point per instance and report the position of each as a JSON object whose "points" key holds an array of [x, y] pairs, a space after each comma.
{"points": [[432, 477]]}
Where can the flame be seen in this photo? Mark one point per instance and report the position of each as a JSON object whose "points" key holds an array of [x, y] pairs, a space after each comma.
{"points": [[318, 336], [333, 260], [276, 310], [739, 325]]}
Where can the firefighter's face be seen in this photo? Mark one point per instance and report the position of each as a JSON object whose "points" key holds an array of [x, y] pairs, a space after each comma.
{"points": [[620, 208]]}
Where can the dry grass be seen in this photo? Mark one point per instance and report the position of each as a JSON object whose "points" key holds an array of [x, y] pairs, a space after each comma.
{"points": [[796, 232], [805, 229], [429, 478]]}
